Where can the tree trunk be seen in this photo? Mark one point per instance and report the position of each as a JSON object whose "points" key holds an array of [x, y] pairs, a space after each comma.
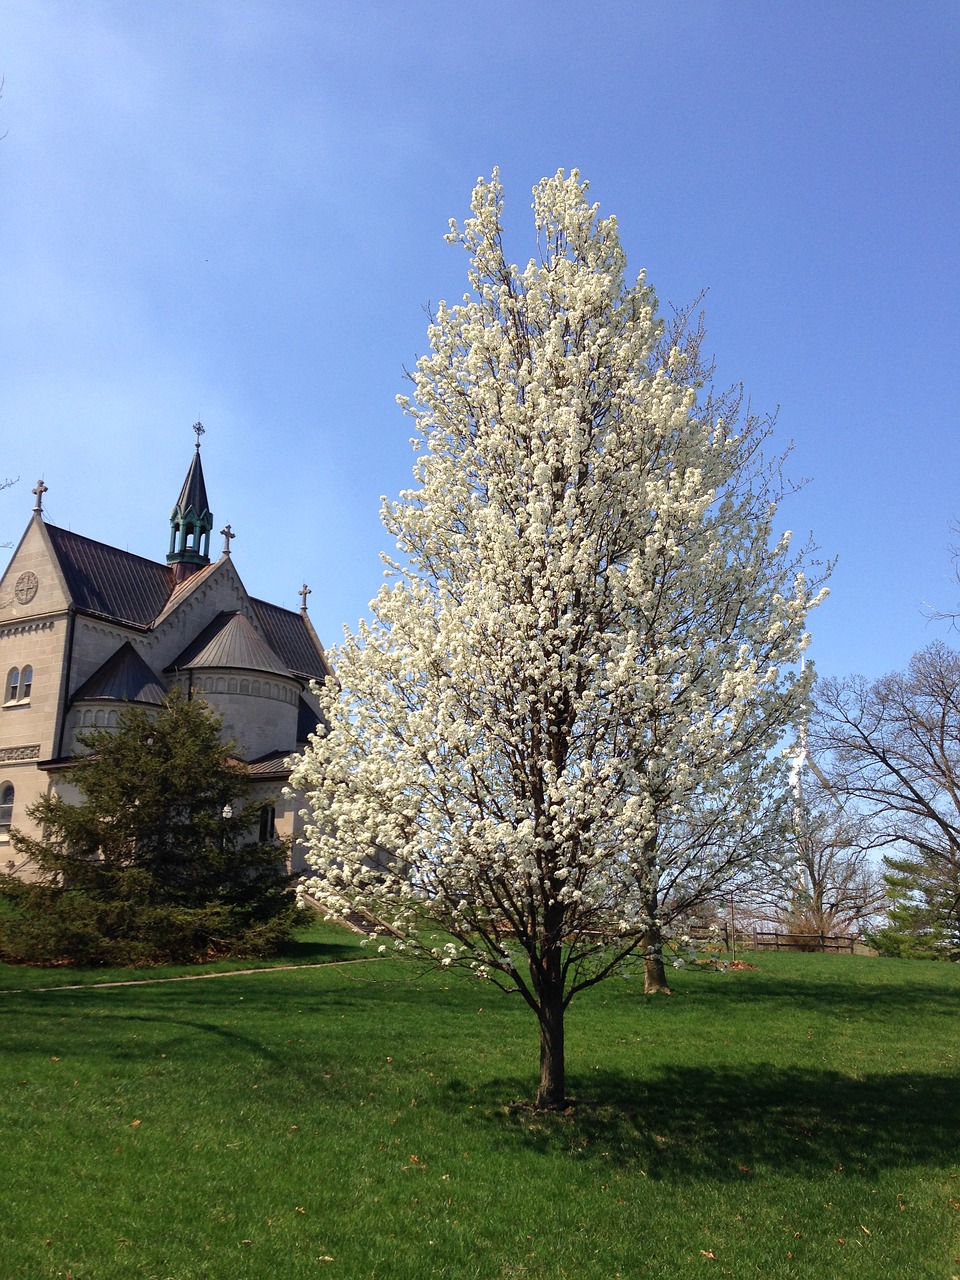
{"points": [[547, 976], [551, 1094], [654, 974]]}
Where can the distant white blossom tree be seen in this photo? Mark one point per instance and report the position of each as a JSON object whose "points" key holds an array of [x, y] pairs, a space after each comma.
{"points": [[590, 632]]}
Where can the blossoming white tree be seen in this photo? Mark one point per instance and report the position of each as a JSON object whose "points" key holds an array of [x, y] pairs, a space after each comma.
{"points": [[588, 635]]}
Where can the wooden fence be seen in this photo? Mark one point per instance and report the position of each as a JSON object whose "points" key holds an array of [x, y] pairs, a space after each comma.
{"points": [[772, 940]]}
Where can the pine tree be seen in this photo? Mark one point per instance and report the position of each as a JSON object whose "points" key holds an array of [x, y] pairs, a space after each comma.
{"points": [[924, 912], [154, 861]]}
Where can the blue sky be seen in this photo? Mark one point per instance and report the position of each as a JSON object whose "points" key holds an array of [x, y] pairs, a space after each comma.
{"points": [[234, 211]]}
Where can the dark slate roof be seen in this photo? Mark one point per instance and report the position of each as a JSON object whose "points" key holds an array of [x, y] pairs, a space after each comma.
{"points": [[307, 721], [124, 677], [127, 588], [194, 491], [273, 765], [229, 641], [110, 582], [291, 636]]}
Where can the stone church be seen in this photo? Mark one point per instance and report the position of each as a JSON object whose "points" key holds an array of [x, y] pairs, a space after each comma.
{"points": [[86, 628]]}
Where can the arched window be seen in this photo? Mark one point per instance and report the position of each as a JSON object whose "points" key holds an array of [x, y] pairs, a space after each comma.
{"points": [[19, 683], [268, 823], [6, 806]]}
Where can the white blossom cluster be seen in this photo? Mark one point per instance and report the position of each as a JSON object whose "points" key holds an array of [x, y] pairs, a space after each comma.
{"points": [[567, 703]]}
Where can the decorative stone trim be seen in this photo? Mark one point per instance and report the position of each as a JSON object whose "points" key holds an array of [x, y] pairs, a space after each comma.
{"points": [[111, 630], [95, 718], [26, 586], [10, 755], [276, 690], [25, 628]]}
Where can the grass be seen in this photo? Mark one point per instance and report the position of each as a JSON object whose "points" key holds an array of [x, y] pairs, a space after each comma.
{"points": [[356, 1120], [319, 944]]}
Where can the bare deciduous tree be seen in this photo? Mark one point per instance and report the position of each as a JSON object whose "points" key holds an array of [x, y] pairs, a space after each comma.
{"points": [[838, 888], [895, 743]]}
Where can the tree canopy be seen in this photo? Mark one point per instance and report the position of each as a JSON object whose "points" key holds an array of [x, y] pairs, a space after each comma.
{"points": [[895, 744], [154, 861], [584, 652], [836, 887]]}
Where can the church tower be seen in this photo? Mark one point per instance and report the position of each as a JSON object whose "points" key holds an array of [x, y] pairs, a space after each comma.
{"points": [[191, 521], [87, 630]]}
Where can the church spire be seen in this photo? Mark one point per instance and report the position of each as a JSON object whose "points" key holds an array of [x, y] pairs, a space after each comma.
{"points": [[191, 520]]}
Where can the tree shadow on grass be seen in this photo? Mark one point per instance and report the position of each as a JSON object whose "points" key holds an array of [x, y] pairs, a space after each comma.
{"points": [[130, 1024], [828, 995], [307, 951], [126, 1036], [731, 1124]]}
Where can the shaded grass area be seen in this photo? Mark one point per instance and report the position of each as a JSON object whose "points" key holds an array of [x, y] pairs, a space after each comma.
{"points": [[801, 1120], [316, 943]]}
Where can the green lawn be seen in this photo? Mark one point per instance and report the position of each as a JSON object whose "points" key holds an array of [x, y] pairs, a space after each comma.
{"points": [[354, 1120]]}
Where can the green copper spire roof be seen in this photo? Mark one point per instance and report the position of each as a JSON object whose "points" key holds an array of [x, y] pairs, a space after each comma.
{"points": [[194, 491], [191, 520]]}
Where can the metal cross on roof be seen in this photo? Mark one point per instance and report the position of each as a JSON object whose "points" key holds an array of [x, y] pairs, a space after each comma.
{"points": [[200, 429], [303, 593], [40, 490]]}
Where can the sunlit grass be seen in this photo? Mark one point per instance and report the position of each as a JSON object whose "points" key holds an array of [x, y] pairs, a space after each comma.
{"points": [[358, 1120]]}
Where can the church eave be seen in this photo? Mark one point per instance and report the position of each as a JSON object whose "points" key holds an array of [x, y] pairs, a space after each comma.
{"points": [[125, 623], [59, 764], [191, 669], [275, 766]]}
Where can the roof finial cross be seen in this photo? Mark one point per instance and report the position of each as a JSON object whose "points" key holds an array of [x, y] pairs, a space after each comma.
{"points": [[303, 593], [200, 429], [228, 537], [40, 490]]}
